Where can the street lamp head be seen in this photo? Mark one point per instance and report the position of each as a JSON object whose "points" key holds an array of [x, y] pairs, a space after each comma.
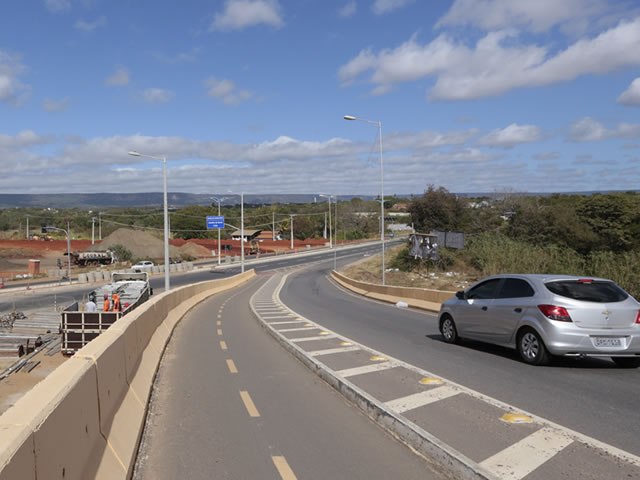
{"points": [[134, 153], [350, 117]]}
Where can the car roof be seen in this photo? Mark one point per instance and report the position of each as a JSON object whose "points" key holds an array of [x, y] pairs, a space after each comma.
{"points": [[544, 277]]}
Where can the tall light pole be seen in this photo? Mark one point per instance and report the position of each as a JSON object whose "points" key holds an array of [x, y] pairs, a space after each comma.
{"points": [[379, 125], [328, 197], [291, 215], [241, 230], [163, 159], [67, 232], [218, 200]]}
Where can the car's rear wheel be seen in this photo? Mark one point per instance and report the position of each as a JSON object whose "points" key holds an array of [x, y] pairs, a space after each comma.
{"points": [[531, 348], [448, 330], [627, 362]]}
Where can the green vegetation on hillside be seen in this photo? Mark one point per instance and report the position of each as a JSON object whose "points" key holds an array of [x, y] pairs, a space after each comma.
{"points": [[595, 235]]}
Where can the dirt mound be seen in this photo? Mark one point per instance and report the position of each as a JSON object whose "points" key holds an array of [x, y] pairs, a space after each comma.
{"points": [[140, 244], [194, 250]]}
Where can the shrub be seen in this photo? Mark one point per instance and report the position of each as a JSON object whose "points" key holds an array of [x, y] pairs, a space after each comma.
{"points": [[122, 253]]}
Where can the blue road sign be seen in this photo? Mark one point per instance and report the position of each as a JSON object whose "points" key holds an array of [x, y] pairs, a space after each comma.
{"points": [[215, 222]]}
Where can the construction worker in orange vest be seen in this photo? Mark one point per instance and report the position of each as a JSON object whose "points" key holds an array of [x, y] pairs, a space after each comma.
{"points": [[116, 302], [107, 303]]}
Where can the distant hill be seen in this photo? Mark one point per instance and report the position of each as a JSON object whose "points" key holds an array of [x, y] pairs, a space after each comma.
{"points": [[106, 200], [181, 199]]}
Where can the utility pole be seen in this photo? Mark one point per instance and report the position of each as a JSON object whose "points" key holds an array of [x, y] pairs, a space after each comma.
{"points": [[27, 227], [291, 215], [93, 230], [324, 233], [100, 226], [273, 226]]}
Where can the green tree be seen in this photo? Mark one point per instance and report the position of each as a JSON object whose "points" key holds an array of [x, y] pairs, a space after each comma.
{"points": [[437, 209], [613, 218]]}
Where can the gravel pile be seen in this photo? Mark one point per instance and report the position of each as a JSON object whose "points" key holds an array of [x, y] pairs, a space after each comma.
{"points": [[140, 244]]}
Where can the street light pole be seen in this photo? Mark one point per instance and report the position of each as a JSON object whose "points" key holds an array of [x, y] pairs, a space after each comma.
{"points": [[330, 236], [167, 285], [67, 232], [379, 125], [291, 215], [241, 230], [219, 201]]}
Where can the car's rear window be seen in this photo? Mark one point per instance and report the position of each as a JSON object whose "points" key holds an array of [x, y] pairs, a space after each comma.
{"points": [[593, 291]]}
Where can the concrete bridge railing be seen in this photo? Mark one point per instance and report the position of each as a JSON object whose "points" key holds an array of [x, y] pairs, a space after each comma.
{"points": [[86, 418]]}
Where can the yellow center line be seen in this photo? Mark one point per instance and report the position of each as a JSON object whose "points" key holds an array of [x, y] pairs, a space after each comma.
{"points": [[248, 403], [218, 323], [220, 332], [283, 468], [232, 366], [223, 345], [219, 316]]}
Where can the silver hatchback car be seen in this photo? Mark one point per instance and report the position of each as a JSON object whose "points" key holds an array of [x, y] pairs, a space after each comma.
{"points": [[544, 315]]}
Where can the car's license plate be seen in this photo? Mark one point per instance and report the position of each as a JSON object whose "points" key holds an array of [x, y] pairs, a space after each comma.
{"points": [[607, 342]]}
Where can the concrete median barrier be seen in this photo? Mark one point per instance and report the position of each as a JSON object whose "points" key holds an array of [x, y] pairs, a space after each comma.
{"points": [[86, 418], [422, 298]]}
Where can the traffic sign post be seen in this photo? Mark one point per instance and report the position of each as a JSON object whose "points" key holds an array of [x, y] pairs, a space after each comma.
{"points": [[215, 222]]}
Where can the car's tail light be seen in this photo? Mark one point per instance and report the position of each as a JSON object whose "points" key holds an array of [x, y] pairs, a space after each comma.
{"points": [[638, 317], [556, 313]]}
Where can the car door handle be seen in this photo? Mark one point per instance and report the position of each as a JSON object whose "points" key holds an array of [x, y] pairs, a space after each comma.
{"points": [[517, 310], [484, 308]]}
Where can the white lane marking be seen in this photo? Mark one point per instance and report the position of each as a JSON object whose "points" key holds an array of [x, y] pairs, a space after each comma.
{"points": [[378, 367], [330, 351], [287, 323], [308, 339], [301, 329], [421, 399], [522, 458]]}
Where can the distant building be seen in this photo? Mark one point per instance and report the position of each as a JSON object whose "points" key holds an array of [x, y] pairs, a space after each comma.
{"points": [[269, 235], [399, 207]]}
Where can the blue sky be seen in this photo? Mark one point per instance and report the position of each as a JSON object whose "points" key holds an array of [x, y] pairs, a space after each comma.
{"points": [[249, 95]]}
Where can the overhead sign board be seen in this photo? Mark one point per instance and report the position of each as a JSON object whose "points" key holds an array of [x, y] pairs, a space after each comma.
{"points": [[214, 222]]}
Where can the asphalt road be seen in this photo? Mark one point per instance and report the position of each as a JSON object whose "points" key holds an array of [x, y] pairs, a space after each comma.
{"points": [[43, 297], [590, 396], [230, 402]]}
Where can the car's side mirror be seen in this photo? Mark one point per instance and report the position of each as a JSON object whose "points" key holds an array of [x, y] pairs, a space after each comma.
{"points": [[460, 295]]}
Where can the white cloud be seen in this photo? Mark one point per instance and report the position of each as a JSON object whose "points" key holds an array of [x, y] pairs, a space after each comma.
{"points": [[51, 105], [631, 96], [498, 62], [226, 90], [534, 15], [348, 10], [511, 136], [381, 7], [590, 130], [119, 78], [157, 95], [12, 90], [240, 14], [24, 139], [56, 6], [91, 26]]}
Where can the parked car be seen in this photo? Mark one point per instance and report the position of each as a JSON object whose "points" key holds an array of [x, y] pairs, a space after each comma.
{"points": [[143, 266], [545, 315]]}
